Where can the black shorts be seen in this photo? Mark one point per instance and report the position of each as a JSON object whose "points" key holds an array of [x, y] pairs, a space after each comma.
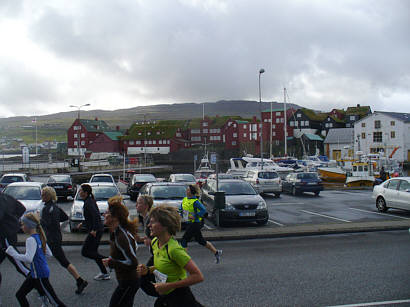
{"points": [[58, 253], [193, 230]]}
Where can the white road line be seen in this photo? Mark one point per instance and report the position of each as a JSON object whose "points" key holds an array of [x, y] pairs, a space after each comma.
{"points": [[279, 224], [324, 215], [207, 227], [374, 303], [384, 214], [282, 204]]}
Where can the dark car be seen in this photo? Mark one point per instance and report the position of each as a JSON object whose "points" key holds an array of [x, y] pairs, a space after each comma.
{"points": [[242, 202], [63, 185], [136, 183], [297, 183]]}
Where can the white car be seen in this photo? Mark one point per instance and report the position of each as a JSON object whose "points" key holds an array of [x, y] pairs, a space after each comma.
{"points": [[102, 192], [28, 193], [183, 178], [102, 178], [6, 179], [393, 193], [264, 181]]}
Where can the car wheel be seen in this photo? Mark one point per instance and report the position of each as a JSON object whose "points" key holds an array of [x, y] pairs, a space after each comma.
{"points": [[381, 204], [262, 222], [294, 191], [317, 193]]}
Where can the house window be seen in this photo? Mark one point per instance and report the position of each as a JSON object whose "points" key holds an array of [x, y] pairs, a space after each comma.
{"points": [[160, 142], [299, 115], [392, 123], [244, 126], [138, 142], [235, 135], [347, 125], [131, 142], [148, 133], [291, 123], [154, 142], [195, 131], [377, 137], [195, 138], [273, 133], [326, 125], [75, 143], [352, 117], [377, 124], [393, 134], [205, 131], [139, 133], [75, 135], [307, 123], [204, 124], [244, 135], [83, 135], [234, 125], [277, 142], [278, 113], [363, 135], [82, 143], [282, 120], [363, 125], [330, 125], [168, 142], [233, 143], [158, 132], [278, 120], [178, 134], [273, 126]]}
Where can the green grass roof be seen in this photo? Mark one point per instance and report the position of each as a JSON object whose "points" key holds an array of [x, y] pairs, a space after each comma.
{"points": [[113, 135]]}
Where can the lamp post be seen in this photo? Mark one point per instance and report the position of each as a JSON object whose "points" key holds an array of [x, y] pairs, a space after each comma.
{"points": [[79, 130], [261, 71]]}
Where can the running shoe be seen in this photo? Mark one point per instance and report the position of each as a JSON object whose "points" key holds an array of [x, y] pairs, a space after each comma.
{"points": [[218, 256], [102, 276], [81, 286]]}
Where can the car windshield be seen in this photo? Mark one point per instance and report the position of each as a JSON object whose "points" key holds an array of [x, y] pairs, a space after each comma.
{"points": [[267, 175], [236, 188], [101, 179], [11, 179], [24, 193], [144, 178], [168, 192], [186, 177], [62, 179], [307, 176], [102, 192]]}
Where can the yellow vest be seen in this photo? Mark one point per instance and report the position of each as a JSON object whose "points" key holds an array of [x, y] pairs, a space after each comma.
{"points": [[188, 208]]}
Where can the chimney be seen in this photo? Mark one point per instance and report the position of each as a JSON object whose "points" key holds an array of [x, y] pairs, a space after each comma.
{"points": [[117, 128], [96, 119], [358, 105], [254, 118]]}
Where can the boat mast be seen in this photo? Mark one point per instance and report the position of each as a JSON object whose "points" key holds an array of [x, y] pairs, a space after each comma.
{"points": [[285, 121]]}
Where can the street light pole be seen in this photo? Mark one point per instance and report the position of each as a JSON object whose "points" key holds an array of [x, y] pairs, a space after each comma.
{"points": [[79, 130], [261, 71]]}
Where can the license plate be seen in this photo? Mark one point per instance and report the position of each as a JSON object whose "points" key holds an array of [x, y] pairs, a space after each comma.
{"points": [[311, 183], [246, 213], [58, 187]]}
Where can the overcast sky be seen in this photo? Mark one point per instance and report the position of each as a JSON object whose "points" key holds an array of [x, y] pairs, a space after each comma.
{"points": [[127, 53]]}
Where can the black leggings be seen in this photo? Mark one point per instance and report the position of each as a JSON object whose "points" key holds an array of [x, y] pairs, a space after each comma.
{"points": [[193, 230], [90, 250], [58, 253], [180, 297], [37, 283], [123, 295]]}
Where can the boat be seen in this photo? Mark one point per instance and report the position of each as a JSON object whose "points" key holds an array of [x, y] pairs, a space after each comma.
{"points": [[204, 169], [362, 174], [332, 174]]}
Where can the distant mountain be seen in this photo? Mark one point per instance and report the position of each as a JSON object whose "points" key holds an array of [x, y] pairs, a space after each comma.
{"points": [[125, 117]]}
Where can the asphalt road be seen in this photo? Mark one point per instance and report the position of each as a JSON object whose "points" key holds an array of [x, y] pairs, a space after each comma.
{"points": [[300, 271]]}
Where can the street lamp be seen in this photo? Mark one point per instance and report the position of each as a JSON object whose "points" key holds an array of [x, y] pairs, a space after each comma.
{"points": [[79, 131], [261, 71]]}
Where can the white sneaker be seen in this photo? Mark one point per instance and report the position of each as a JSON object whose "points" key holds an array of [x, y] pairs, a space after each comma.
{"points": [[102, 276], [218, 256], [44, 301]]}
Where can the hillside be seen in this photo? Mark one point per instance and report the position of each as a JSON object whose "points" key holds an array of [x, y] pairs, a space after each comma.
{"points": [[54, 126]]}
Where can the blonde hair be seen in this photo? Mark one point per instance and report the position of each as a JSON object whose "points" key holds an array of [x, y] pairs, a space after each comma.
{"points": [[194, 190], [36, 219], [118, 210], [50, 192], [147, 200], [168, 217]]}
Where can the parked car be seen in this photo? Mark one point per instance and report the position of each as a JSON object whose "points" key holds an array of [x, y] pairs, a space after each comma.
{"points": [[297, 183], [102, 192], [169, 193], [264, 181], [221, 176], [63, 185], [102, 178], [28, 193], [242, 202], [137, 181], [393, 193], [6, 179], [185, 178]]}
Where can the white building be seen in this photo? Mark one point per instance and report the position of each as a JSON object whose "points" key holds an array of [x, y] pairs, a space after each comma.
{"points": [[339, 143], [386, 132]]}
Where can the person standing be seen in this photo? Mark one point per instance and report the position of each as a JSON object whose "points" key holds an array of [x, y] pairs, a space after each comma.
{"points": [[195, 210], [383, 175], [50, 221], [144, 205], [95, 229], [171, 262], [123, 249], [35, 255]]}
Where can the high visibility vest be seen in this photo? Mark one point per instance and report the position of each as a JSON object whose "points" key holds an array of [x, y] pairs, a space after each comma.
{"points": [[189, 211]]}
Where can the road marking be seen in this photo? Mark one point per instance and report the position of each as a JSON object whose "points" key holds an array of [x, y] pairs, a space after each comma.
{"points": [[279, 224], [324, 215], [207, 227], [400, 217], [374, 303], [281, 204]]}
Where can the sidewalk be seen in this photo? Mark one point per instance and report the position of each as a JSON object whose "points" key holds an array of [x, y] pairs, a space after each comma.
{"points": [[263, 232]]}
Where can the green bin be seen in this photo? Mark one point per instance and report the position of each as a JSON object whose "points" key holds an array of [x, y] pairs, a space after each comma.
{"points": [[220, 200]]}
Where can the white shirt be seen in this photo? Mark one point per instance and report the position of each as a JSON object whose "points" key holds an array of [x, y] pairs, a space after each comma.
{"points": [[31, 248]]}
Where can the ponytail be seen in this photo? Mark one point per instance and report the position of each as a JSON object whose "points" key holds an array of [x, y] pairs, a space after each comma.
{"points": [[43, 238], [32, 219]]}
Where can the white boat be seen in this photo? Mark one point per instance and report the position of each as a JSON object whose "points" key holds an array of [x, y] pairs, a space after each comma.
{"points": [[361, 175], [239, 166], [204, 169]]}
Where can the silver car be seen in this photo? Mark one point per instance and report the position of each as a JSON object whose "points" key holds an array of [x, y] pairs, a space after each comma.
{"points": [[393, 193], [264, 181], [167, 193], [28, 193], [102, 192]]}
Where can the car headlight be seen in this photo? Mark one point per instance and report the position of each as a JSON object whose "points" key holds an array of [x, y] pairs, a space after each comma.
{"points": [[261, 205], [229, 207]]}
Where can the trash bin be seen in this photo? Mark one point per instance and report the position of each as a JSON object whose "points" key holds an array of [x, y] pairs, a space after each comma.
{"points": [[220, 200]]}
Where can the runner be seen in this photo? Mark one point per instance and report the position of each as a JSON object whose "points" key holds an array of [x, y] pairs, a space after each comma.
{"points": [[144, 205], [95, 228], [51, 216], [123, 248], [36, 251], [171, 262], [195, 211]]}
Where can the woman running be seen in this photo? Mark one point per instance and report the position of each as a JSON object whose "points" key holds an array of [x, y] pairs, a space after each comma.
{"points": [[195, 210], [50, 221], [123, 248], [171, 261], [95, 228], [36, 251]]}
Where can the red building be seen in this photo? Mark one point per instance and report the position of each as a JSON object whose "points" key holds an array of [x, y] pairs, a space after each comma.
{"points": [[105, 145], [278, 122]]}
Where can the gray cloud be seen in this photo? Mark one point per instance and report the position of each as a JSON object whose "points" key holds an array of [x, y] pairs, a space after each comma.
{"points": [[327, 53]]}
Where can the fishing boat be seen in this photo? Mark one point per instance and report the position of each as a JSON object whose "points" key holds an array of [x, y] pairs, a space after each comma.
{"points": [[362, 174], [204, 169]]}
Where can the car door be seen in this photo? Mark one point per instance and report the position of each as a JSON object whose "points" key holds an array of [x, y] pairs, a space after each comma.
{"points": [[403, 197], [391, 193]]}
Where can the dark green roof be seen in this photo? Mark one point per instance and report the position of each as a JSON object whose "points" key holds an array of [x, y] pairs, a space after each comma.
{"points": [[336, 119], [215, 122], [358, 110], [113, 135], [164, 129], [95, 125], [313, 115], [273, 110]]}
